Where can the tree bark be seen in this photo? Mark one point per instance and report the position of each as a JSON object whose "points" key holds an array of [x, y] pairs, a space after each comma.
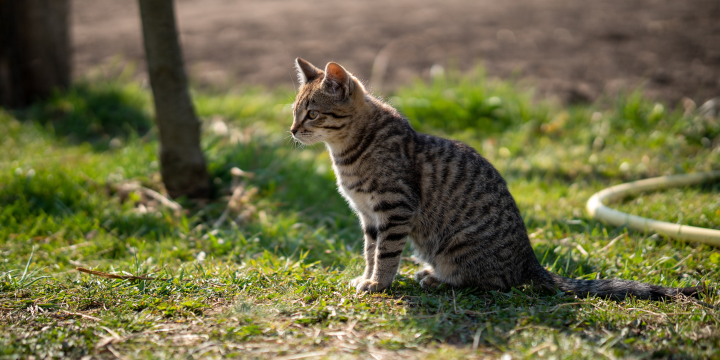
{"points": [[182, 163], [34, 50]]}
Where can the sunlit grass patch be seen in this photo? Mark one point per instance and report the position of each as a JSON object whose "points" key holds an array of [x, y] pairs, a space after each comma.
{"points": [[695, 206]]}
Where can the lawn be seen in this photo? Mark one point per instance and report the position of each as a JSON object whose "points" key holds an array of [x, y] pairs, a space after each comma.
{"points": [[271, 280]]}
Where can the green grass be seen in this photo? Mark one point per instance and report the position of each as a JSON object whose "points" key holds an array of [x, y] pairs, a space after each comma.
{"points": [[273, 281], [696, 206]]}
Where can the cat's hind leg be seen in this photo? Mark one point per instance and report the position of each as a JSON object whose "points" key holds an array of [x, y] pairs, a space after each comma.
{"points": [[427, 279]]}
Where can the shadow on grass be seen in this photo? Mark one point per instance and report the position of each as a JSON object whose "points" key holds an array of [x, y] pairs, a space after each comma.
{"points": [[500, 321], [494, 320], [294, 190], [94, 113], [46, 203]]}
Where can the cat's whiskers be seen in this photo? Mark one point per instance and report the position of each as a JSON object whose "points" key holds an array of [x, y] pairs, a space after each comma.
{"points": [[292, 79], [298, 144], [289, 137], [312, 140]]}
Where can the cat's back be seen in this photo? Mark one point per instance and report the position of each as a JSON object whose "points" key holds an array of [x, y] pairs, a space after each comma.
{"points": [[465, 200], [455, 171]]}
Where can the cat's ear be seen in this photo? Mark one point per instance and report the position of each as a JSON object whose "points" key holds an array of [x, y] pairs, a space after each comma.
{"points": [[307, 72], [337, 80]]}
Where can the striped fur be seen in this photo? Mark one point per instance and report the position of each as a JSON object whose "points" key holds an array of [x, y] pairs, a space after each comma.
{"points": [[442, 195]]}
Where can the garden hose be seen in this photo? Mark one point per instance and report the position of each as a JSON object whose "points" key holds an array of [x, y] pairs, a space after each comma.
{"points": [[599, 211]]}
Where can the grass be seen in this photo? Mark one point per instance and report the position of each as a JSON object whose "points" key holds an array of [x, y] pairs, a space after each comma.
{"points": [[695, 206], [273, 281]]}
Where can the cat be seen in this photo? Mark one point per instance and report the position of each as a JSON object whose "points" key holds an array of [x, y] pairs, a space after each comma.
{"points": [[444, 196]]}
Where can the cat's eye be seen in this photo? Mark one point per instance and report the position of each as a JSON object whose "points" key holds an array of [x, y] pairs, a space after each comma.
{"points": [[312, 114]]}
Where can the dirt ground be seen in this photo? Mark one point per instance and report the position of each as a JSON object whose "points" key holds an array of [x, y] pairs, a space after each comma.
{"points": [[570, 48]]}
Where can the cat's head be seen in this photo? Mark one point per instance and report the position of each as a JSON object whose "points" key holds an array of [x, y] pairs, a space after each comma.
{"points": [[326, 104]]}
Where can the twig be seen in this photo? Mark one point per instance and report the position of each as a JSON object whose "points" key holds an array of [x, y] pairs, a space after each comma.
{"points": [[581, 249], [76, 263], [163, 200], [538, 348], [375, 356], [115, 352], [131, 186], [660, 314], [236, 172], [238, 191], [113, 276], [612, 242], [476, 338], [350, 328], [81, 315]]}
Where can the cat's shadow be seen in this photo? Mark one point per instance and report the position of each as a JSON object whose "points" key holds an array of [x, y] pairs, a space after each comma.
{"points": [[464, 316], [491, 319]]}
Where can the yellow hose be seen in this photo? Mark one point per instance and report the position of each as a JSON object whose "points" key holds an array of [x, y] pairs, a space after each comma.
{"points": [[598, 210]]}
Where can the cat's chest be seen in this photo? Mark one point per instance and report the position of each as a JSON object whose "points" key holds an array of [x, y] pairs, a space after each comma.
{"points": [[359, 199]]}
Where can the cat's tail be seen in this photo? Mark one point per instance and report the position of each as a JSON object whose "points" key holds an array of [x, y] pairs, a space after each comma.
{"points": [[608, 288]]}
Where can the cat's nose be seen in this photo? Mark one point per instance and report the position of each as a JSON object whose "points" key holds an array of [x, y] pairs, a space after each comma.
{"points": [[293, 131]]}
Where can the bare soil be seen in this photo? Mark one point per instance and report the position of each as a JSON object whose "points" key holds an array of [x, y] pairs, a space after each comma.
{"points": [[574, 49]]}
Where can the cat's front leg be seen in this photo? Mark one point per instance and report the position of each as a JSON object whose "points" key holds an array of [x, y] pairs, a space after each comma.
{"points": [[369, 254], [391, 238]]}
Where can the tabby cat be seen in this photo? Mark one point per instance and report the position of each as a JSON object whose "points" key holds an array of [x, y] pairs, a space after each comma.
{"points": [[441, 194]]}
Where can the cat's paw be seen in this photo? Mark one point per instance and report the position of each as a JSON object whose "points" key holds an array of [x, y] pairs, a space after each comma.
{"points": [[423, 273], [370, 286], [430, 282], [354, 282], [427, 279]]}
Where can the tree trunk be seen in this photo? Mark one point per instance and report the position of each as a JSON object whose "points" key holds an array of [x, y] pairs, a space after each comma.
{"points": [[34, 50], [182, 163]]}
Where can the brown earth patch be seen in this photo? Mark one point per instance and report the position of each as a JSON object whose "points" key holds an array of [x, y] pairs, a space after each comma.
{"points": [[573, 49]]}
